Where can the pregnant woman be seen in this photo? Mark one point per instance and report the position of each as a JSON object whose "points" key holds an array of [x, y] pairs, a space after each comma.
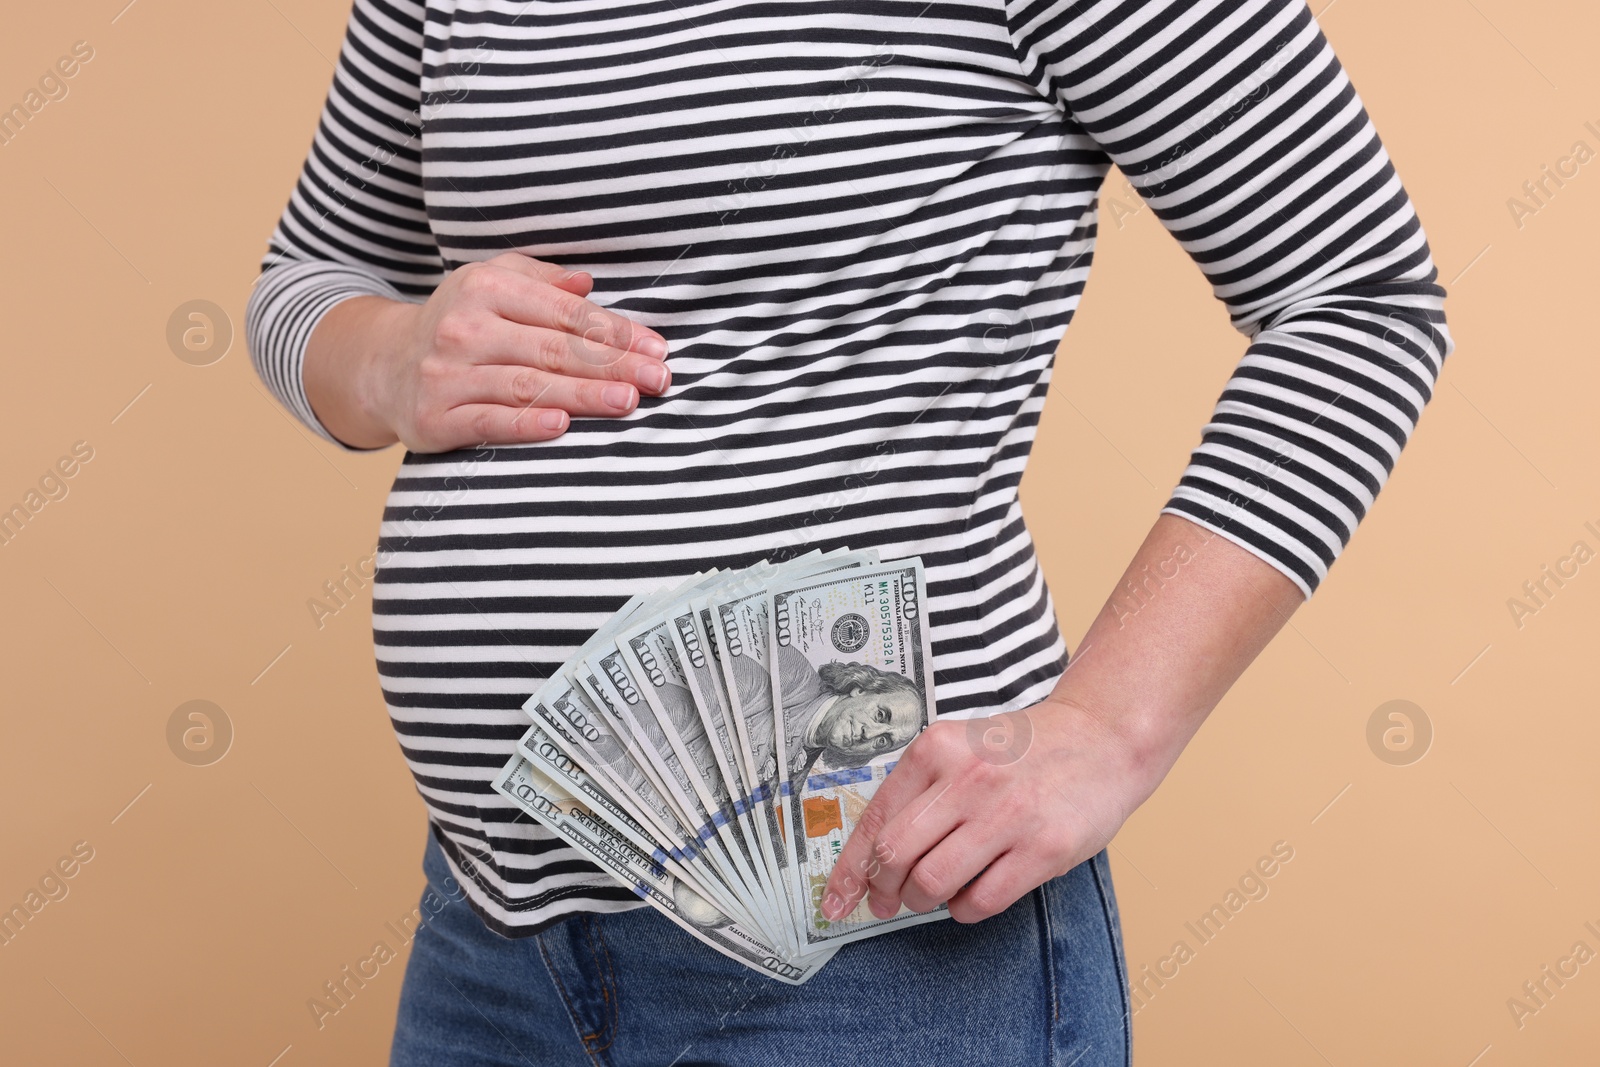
{"points": [[647, 287]]}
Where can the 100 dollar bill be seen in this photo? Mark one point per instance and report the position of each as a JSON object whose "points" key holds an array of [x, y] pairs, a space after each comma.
{"points": [[739, 627], [572, 821], [851, 667]]}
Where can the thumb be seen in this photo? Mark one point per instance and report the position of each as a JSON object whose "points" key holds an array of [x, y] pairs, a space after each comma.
{"points": [[576, 282]]}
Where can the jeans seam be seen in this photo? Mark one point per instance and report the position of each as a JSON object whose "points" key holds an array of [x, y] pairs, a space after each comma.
{"points": [[608, 993], [577, 1023], [1047, 941], [1116, 955]]}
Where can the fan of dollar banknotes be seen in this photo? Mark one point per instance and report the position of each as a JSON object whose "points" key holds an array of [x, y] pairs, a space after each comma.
{"points": [[713, 745]]}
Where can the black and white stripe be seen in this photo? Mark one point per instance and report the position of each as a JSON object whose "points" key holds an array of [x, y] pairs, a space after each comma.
{"points": [[863, 228]]}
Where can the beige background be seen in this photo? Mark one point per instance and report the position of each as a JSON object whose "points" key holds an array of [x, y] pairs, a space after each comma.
{"points": [[178, 567]]}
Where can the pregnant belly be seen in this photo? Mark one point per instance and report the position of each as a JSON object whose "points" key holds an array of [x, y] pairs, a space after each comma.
{"points": [[496, 565]]}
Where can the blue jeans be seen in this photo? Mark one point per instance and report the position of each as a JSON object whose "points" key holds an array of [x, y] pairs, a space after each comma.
{"points": [[1042, 983]]}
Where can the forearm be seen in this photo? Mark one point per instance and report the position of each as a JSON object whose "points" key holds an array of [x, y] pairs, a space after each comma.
{"points": [[340, 356], [1190, 613]]}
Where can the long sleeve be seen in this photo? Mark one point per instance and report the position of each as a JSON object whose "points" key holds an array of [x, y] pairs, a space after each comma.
{"points": [[1238, 125], [355, 224]]}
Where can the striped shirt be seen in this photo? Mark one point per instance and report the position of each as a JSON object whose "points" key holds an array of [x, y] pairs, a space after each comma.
{"points": [[863, 227]]}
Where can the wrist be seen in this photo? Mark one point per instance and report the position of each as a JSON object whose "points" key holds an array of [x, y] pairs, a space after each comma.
{"points": [[386, 332], [1143, 745], [348, 368]]}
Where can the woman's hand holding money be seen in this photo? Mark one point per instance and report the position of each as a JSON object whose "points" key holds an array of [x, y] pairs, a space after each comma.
{"points": [[960, 821], [978, 813]]}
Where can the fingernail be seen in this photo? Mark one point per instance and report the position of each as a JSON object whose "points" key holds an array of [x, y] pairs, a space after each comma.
{"points": [[567, 276], [653, 377], [651, 345], [617, 396], [553, 420]]}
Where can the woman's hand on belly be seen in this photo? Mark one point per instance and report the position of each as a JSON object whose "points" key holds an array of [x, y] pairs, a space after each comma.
{"points": [[503, 352]]}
